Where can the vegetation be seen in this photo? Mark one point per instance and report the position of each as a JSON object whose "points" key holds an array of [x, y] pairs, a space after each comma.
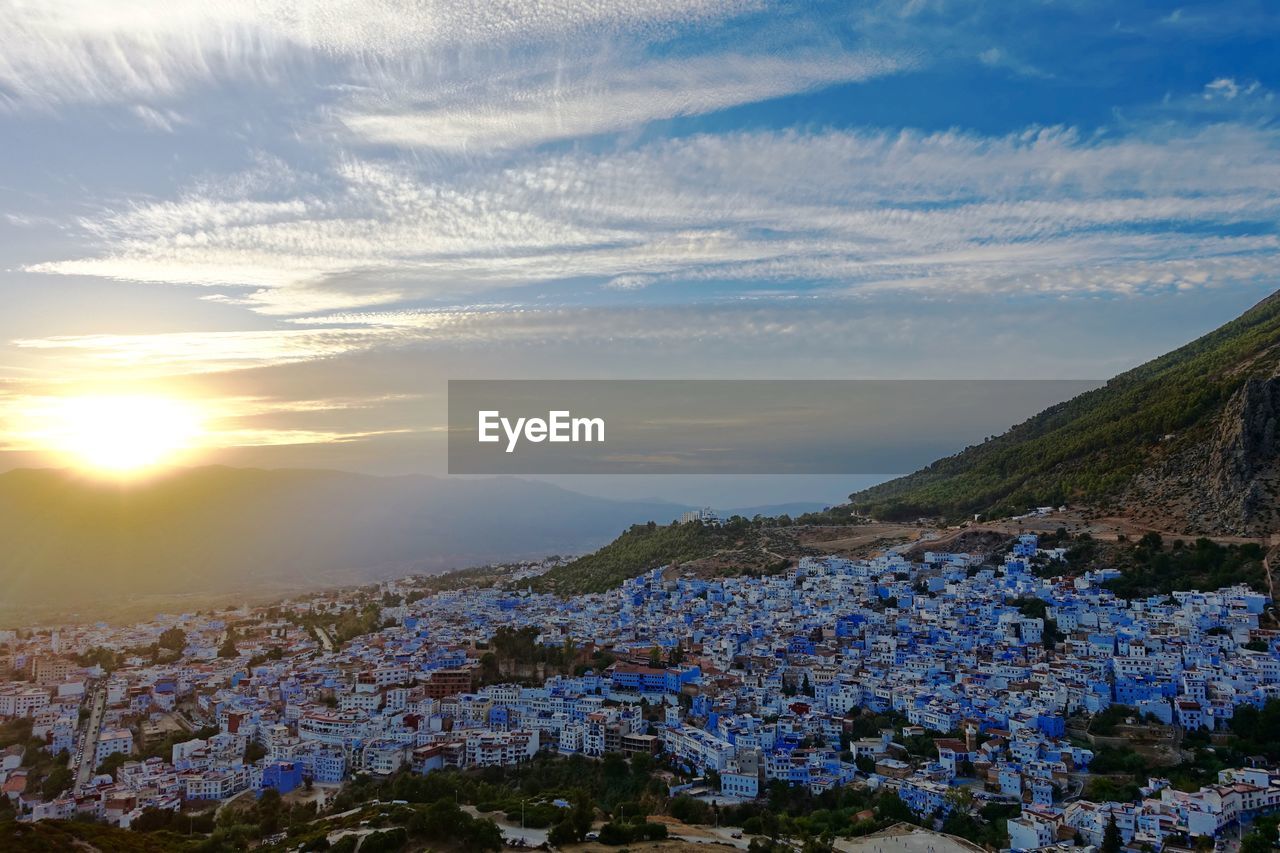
{"points": [[1262, 835], [1089, 448], [1120, 771], [163, 748], [1151, 569], [112, 763], [273, 654], [356, 623], [1104, 722], [15, 731], [47, 773], [343, 625], [513, 651], [1256, 731], [58, 780], [99, 656], [617, 834], [566, 795], [1036, 608], [174, 639], [165, 820], [811, 823], [56, 836], [228, 648], [1104, 789], [474, 576], [639, 549], [628, 792], [1111, 840]]}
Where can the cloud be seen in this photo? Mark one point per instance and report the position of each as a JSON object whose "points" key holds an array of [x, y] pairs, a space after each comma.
{"points": [[77, 51], [1221, 100], [1249, 94], [1223, 87], [345, 333], [995, 57], [171, 352], [566, 102], [628, 282], [1045, 210], [163, 120]]}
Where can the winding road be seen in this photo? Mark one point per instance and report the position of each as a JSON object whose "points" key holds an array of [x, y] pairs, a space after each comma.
{"points": [[89, 742]]}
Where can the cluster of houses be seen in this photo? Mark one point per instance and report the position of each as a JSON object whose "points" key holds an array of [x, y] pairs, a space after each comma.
{"points": [[740, 680], [1161, 815]]}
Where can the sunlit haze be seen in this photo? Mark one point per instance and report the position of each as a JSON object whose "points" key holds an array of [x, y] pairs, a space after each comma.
{"points": [[120, 435]]}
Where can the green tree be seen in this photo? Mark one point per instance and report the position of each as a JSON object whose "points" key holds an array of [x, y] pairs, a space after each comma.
{"points": [[228, 647], [891, 807], [385, 842], [616, 834], [345, 844], [174, 639], [1111, 840], [268, 811], [1256, 842], [112, 763], [58, 780], [583, 815], [563, 833]]}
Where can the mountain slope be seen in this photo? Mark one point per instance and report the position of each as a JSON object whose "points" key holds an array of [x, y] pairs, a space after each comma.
{"points": [[203, 530], [638, 549], [1189, 438], [738, 546]]}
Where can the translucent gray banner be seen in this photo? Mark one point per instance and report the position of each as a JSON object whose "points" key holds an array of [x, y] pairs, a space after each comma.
{"points": [[732, 426]]}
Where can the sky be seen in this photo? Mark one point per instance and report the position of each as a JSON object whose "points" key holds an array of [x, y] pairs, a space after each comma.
{"points": [[304, 217]]}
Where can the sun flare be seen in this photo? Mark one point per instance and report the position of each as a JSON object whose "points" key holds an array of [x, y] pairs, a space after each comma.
{"points": [[118, 434]]}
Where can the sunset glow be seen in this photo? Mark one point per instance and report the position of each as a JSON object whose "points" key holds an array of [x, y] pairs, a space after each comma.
{"points": [[117, 434]]}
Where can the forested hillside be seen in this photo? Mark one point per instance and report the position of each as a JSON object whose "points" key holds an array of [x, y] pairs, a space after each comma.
{"points": [[1204, 412], [639, 549]]}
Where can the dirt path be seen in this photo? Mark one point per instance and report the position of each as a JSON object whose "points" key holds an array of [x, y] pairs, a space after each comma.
{"points": [[858, 540]]}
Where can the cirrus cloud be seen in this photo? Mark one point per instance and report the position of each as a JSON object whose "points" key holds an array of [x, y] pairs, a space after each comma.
{"points": [[79, 51], [1046, 210]]}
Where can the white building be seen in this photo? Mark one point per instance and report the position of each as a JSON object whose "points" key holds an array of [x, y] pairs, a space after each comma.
{"points": [[113, 741]]}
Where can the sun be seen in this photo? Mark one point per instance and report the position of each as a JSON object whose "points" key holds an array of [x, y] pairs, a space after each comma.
{"points": [[119, 434]]}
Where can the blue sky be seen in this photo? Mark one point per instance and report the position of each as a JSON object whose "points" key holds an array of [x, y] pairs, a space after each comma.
{"points": [[312, 214]]}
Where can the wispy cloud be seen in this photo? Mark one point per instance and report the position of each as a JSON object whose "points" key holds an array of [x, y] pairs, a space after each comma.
{"points": [[79, 51], [609, 94], [172, 352], [1221, 100], [1045, 210], [335, 335], [164, 120]]}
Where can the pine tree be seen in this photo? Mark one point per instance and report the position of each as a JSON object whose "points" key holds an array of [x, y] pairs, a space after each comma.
{"points": [[1111, 841]]}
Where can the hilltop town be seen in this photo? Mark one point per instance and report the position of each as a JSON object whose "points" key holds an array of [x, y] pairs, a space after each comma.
{"points": [[1001, 697]]}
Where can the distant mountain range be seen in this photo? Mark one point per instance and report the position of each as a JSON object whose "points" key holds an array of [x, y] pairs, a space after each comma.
{"points": [[69, 539], [1187, 442]]}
